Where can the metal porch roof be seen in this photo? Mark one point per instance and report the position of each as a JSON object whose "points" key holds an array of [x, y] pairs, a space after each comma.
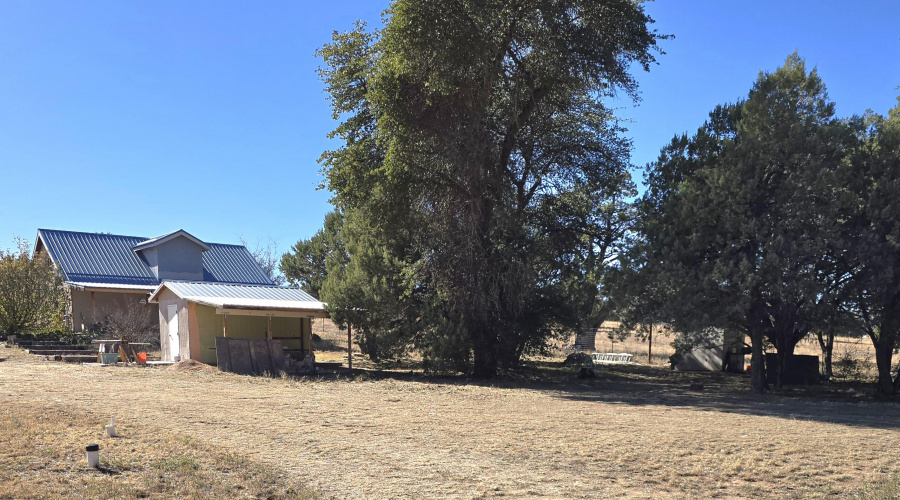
{"points": [[241, 296]]}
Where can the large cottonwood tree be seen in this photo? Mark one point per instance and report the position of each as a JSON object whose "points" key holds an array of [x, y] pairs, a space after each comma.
{"points": [[464, 123]]}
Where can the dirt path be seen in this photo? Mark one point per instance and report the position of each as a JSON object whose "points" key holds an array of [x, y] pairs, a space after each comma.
{"points": [[413, 439]]}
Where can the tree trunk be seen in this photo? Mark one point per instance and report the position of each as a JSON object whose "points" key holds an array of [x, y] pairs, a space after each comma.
{"points": [[368, 344], [826, 344], [884, 351], [779, 342], [757, 364], [485, 362], [884, 344], [784, 351]]}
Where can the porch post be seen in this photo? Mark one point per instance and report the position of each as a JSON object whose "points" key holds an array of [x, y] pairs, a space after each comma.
{"points": [[269, 328], [302, 341], [312, 345], [225, 325]]}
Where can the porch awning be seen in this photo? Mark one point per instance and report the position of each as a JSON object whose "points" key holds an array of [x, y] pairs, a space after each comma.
{"points": [[244, 299]]}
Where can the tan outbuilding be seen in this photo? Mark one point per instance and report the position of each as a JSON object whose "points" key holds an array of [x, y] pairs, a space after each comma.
{"points": [[193, 314]]}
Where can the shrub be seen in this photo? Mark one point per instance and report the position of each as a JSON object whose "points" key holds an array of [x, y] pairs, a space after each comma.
{"points": [[33, 298]]}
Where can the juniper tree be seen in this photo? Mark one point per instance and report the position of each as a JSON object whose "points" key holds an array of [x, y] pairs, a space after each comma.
{"points": [[737, 218], [871, 240]]}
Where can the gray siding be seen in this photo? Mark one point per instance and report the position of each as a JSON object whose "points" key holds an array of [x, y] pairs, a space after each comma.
{"points": [[150, 257], [179, 259]]}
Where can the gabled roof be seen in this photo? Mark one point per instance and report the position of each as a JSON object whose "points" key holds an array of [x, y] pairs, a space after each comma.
{"points": [[232, 264], [228, 296], [97, 258], [152, 242]]}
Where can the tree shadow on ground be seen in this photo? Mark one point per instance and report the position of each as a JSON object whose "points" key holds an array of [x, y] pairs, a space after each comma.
{"points": [[641, 385], [107, 471], [785, 405]]}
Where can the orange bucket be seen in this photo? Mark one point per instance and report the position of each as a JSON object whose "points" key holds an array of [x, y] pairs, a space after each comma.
{"points": [[142, 358]]}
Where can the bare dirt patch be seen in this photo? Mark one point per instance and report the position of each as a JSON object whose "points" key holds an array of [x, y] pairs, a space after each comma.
{"points": [[633, 432]]}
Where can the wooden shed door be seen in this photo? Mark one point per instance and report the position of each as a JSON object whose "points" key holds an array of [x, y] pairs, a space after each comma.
{"points": [[174, 339]]}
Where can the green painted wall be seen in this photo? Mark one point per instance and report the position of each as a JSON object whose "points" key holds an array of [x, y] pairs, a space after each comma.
{"points": [[210, 325]]}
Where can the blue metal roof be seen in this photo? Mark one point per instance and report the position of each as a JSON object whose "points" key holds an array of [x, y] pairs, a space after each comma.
{"points": [[97, 258], [109, 258], [232, 264]]}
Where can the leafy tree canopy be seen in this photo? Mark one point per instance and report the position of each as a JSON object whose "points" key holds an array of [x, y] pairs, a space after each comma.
{"points": [[33, 298], [471, 133]]}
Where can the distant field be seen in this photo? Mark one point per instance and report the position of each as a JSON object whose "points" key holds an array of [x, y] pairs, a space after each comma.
{"points": [[635, 431], [662, 346], [853, 358]]}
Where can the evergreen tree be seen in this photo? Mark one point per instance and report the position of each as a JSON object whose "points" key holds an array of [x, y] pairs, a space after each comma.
{"points": [[736, 219], [305, 265], [871, 240]]}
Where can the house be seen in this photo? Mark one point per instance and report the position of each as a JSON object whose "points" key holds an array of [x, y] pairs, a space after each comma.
{"points": [[197, 290]]}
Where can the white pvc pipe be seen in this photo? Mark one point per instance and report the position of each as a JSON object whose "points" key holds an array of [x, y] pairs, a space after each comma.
{"points": [[93, 455]]}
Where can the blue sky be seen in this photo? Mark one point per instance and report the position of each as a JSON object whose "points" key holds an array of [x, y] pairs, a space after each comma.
{"points": [[144, 117]]}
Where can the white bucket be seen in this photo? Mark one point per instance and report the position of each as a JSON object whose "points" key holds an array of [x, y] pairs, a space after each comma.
{"points": [[93, 455]]}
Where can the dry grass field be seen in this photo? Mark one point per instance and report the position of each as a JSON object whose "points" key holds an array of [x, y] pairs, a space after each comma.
{"points": [[635, 431], [43, 457]]}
